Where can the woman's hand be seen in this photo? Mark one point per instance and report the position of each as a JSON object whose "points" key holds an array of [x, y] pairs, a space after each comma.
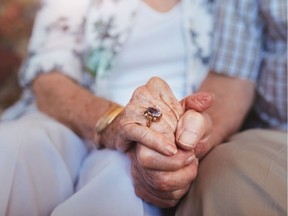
{"points": [[164, 180], [130, 126]]}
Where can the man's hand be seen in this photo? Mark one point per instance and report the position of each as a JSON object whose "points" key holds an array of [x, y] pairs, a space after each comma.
{"points": [[194, 129], [159, 179]]}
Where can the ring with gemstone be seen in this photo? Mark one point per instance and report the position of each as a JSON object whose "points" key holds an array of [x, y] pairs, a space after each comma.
{"points": [[152, 115]]}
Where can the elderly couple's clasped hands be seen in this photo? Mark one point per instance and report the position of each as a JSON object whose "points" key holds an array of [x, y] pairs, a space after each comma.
{"points": [[164, 154]]}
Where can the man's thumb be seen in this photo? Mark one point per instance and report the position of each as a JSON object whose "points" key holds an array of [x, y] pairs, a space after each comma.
{"points": [[199, 101]]}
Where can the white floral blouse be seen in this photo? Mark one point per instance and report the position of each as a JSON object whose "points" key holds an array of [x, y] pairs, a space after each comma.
{"points": [[81, 38]]}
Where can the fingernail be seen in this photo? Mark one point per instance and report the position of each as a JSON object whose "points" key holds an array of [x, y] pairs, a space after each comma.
{"points": [[190, 159], [171, 149], [188, 138]]}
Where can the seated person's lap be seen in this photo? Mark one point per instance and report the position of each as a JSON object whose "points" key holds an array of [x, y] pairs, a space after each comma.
{"points": [[246, 175]]}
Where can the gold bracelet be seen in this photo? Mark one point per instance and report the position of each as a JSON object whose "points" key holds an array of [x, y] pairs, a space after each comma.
{"points": [[107, 119]]}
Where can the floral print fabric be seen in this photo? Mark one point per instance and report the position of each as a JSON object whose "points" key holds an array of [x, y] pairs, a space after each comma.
{"points": [[82, 38]]}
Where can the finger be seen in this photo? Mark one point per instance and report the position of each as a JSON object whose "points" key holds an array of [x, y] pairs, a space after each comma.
{"points": [[143, 190], [150, 159], [167, 181], [150, 96], [151, 198], [166, 125], [162, 180], [166, 95], [205, 145], [199, 101], [147, 192], [192, 127], [131, 127], [150, 138], [168, 195]]}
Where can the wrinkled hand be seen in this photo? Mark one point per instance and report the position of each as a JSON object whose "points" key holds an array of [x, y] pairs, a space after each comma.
{"points": [[161, 173], [163, 180], [159, 179], [130, 125], [194, 129]]}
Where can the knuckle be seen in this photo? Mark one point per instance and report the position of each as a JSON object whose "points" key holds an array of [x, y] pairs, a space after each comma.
{"points": [[139, 92], [171, 203], [180, 193], [162, 183], [155, 79], [156, 82]]}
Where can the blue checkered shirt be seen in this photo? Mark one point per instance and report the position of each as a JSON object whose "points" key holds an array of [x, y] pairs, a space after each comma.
{"points": [[250, 42]]}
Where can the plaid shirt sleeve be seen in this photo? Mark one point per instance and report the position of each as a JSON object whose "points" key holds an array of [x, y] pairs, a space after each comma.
{"points": [[236, 43]]}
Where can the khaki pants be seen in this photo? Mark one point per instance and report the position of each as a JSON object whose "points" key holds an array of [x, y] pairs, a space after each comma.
{"points": [[245, 176]]}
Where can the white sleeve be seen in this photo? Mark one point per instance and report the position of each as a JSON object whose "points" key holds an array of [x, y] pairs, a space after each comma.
{"points": [[56, 41]]}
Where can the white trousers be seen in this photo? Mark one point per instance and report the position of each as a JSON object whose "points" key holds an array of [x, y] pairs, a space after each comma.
{"points": [[45, 169]]}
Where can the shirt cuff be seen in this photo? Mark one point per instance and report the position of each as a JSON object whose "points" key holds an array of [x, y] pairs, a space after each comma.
{"points": [[66, 62]]}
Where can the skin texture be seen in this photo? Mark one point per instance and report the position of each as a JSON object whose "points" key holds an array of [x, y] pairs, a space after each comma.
{"points": [[80, 110], [130, 125], [229, 109], [164, 181], [161, 177], [66, 101], [164, 156]]}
